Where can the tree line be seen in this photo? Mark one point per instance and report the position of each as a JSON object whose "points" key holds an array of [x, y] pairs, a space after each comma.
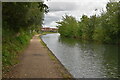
{"points": [[23, 15], [103, 28], [20, 21]]}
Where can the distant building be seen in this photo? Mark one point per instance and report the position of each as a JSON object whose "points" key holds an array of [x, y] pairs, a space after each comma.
{"points": [[48, 29]]}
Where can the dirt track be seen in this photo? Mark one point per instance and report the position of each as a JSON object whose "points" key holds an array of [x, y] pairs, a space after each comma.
{"points": [[36, 63]]}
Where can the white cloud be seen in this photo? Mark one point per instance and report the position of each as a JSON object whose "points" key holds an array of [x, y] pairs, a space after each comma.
{"points": [[76, 8]]}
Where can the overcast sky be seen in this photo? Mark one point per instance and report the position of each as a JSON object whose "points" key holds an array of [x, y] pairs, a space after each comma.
{"points": [[76, 8]]}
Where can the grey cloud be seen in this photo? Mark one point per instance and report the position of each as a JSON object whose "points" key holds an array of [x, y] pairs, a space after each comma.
{"points": [[76, 9], [62, 6], [50, 18]]}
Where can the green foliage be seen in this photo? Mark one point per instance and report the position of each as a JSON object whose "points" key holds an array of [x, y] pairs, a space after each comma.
{"points": [[109, 24], [99, 34], [103, 28], [20, 21], [68, 27], [12, 47], [23, 14]]}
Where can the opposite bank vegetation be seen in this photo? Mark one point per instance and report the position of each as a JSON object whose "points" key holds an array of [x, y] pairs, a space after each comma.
{"points": [[21, 20], [104, 28]]}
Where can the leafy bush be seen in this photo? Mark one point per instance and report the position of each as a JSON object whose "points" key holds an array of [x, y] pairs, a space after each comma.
{"points": [[103, 28]]}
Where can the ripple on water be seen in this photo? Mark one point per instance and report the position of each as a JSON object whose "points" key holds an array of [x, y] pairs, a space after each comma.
{"points": [[84, 60]]}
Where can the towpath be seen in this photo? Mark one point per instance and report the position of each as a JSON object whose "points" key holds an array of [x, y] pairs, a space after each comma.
{"points": [[35, 62]]}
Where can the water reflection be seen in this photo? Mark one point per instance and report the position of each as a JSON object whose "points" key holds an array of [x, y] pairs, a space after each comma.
{"points": [[84, 59]]}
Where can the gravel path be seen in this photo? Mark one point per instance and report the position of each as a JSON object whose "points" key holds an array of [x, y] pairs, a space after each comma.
{"points": [[35, 63]]}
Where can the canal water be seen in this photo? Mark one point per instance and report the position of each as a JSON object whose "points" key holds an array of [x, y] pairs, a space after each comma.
{"points": [[84, 59]]}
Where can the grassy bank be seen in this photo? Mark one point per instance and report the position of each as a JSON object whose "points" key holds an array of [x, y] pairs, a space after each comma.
{"points": [[44, 33], [64, 72], [13, 45]]}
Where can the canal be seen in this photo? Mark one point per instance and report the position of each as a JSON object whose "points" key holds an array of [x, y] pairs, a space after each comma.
{"points": [[84, 59]]}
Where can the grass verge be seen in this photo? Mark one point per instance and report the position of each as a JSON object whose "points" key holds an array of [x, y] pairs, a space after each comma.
{"points": [[44, 33], [59, 66], [12, 45]]}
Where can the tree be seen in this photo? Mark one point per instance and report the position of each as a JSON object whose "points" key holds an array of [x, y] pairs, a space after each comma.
{"points": [[103, 28], [68, 26]]}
